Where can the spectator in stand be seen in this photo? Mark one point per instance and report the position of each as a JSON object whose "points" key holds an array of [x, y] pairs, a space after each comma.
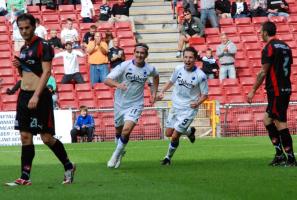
{"points": [[71, 65], [89, 36], [116, 54], [223, 8], [192, 6], [98, 60], [210, 66], [52, 87], [207, 9], [87, 11], [84, 125], [226, 52], [258, 8], [40, 30], [191, 27], [70, 34], [3, 8], [277, 8], [54, 41], [104, 11], [109, 39], [16, 7], [120, 12], [239, 9]]}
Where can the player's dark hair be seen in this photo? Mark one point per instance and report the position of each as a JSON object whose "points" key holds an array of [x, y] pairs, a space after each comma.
{"points": [[143, 45], [191, 49], [26, 16], [209, 49], [269, 27], [187, 11], [85, 108], [69, 19]]}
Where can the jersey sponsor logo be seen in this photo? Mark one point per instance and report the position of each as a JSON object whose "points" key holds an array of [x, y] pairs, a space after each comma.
{"points": [[135, 78], [184, 83], [281, 46]]}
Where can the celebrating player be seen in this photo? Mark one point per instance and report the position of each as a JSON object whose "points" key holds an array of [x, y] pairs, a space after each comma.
{"points": [[190, 91], [34, 105], [129, 78], [276, 68]]}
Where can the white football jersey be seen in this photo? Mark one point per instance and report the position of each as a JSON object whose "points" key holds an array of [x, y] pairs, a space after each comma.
{"points": [[188, 86], [134, 77]]}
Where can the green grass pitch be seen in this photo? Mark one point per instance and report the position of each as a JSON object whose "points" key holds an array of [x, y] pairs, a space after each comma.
{"points": [[226, 168]]}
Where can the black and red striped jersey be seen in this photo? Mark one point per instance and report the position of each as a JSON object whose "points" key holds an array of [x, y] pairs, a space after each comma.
{"points": [[279, 55], [34, 53]]}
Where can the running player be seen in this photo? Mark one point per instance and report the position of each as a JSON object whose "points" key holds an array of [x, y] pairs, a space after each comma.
{"points": [[276, 69], [190, 91], [34, 105], [129, 78]]}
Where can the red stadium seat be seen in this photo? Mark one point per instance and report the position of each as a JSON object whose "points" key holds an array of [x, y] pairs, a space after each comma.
{"points": [[5, 55], [236, 99], [230, 82], [4, 30], [213, 40], [231, 91], [105, 103], [3, 20], [292, 20], [215, 91], [84, 95], [235, 39], [196, 40], [252, 55], [5, 39], [229, 30], [64, 17], [101, 87], [123, 26], [6, 72], [226, 22], [127, 43], [240, 55], [105, 26], [65, 88], [53, 19], [104, 95], [246, 21], [213, 82], [278, 19], [90, 103], [83, 87], [68, 104], [221, 99], [34, 10], [241, 72], [285, 37], [125, 34], [259, 20], [248, 30], [253, 46], [210, 32], [249, 38], [247, 81], [46, 11], [66, 9]]}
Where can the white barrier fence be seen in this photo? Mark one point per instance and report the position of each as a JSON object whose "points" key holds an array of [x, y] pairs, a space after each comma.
{"points": [[9, 136]]}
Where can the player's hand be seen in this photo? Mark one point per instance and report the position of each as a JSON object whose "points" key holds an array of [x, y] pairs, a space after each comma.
{"points": [[122, 86], [33, 102], [194, 105], [250, 96], [16, 63], [160, 96]]}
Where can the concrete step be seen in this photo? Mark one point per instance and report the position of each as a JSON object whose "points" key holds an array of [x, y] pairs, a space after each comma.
{"points": [[147, 17], [155, 21], [153, 45], [162, 49], [201, 122], [156, 55], [166, 67], [151, 10], [164, 60], [145, 26], [162, 39], [149, 3], [158, 36], [147, 31]]}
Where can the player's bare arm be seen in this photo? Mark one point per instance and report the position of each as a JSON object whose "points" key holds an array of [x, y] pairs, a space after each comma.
{"points": [[167, 86], [199, 102], [46, 67], [156, 85], [112, 83], [259, 80]]}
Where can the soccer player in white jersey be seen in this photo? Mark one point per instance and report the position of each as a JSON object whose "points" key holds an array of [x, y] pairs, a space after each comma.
{"points": [[129, 78], [190, 91]]}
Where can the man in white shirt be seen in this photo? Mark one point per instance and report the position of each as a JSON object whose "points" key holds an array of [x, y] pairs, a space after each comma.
{"points": [[71, 65], [190, 91], [129, 78], [3, 8], [40, 30], [87, 11], [70, 34]]}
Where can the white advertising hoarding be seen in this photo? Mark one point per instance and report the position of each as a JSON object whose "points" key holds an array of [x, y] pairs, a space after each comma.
{"points": [[9, 136]]}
